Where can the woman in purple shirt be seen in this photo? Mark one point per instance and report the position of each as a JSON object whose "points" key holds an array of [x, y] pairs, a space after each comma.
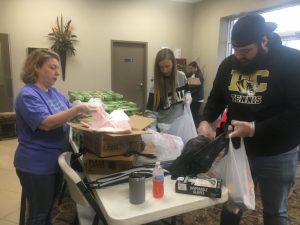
{"points": [[42, 113]]}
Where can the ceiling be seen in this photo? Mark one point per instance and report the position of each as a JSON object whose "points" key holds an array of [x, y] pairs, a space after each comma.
{"points": [[187, 1]]}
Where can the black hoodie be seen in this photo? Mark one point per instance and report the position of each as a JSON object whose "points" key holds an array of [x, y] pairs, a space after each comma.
{"points": [[270, 96]]}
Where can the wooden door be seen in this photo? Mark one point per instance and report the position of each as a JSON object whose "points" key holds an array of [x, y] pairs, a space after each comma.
{"points": [[129, 70]]}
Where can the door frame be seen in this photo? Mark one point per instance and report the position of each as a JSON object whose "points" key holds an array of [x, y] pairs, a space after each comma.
{"points": [[145, 79], [8, 80]]}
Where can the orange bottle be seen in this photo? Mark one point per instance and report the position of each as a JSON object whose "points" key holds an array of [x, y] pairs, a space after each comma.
{"points": [[158, 181]]}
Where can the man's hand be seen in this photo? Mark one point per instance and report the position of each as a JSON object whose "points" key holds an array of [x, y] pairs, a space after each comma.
{"points": [[206, 129], [242, 129]]}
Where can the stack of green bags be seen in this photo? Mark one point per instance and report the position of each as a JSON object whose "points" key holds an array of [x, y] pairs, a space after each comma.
{"points": [[111, 99]]}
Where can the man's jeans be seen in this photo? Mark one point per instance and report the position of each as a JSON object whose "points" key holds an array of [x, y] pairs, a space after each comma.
{"points": [[275, 176]]}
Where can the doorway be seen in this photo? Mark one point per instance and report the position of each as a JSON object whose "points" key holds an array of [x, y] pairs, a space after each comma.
{"points": [[6, 100], [129, 70]]}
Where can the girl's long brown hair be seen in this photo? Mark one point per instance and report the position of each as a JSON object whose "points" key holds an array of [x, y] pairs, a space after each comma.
{"points": [[162, 83]]}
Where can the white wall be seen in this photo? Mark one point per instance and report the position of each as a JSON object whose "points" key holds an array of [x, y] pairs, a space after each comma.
{"points": [[96, 23], [192, 28], [208, 15]]}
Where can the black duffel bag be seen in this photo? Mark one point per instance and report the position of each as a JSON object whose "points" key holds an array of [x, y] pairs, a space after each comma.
{"points": [[198, 155]]}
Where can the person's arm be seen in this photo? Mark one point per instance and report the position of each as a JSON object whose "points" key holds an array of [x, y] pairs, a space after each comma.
{"points": [[149, 112], [201, 77], [53, 121], [187, 94], [215, 105]]}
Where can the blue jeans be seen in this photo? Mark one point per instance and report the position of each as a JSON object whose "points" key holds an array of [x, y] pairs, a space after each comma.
{"points": [[41, 192], [275, 176]]}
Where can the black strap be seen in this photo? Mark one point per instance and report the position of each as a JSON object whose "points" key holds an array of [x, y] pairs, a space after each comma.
{"points": [[96, 220], [122, 177], [92, 201]]}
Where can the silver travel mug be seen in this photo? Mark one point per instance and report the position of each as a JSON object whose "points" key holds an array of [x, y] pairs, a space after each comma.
{"points": [[136, 188]]}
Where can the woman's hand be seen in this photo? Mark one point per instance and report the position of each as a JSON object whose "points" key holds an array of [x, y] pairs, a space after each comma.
{"points": [[58, 119], [85, 109], [188, 98]]}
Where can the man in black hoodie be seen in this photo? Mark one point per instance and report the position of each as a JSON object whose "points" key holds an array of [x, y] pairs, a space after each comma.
{"points": [[260, 86]]}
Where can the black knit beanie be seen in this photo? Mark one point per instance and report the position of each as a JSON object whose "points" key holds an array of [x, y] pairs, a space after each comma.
{"points": [[250, 29]]}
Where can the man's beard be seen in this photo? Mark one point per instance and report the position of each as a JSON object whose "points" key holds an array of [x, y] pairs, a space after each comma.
{"points": [[250, 66]]}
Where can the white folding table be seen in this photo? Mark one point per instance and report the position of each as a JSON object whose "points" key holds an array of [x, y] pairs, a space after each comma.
{"points": [[115, 205]]}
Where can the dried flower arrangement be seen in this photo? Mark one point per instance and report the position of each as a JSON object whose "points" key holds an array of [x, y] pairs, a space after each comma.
{"points": [[63, 41]]}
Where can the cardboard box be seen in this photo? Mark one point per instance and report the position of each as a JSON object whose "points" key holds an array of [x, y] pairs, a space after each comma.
{"points": [[194, 81], [109, 165], [106, 144], [208, 187], [113, 164]]}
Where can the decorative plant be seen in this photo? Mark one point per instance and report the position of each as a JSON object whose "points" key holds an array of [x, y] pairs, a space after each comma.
{"points": [[63, 41]]}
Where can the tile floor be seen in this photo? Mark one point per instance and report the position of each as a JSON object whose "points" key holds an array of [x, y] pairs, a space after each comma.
{"points": [[10, 188]]}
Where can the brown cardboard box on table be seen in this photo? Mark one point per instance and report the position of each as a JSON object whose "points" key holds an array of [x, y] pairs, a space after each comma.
{"points": [[105, 150], [106, 144], [113, 164], [108, 165]]}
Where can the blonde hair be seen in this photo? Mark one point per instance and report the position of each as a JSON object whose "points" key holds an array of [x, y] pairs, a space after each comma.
{"points": [[35, 60], [161, 83]]}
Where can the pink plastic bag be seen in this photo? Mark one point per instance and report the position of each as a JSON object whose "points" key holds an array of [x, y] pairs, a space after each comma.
{"points": [[115, 122]]}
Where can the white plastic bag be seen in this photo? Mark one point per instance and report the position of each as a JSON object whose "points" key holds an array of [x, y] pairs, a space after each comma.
{"points": [[167, 146], [184, 126], [235, 172]]}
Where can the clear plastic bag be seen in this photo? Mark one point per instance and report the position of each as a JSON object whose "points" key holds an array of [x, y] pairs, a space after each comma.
{"points": [[184, 126], [167, 146], [235, 172]]}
